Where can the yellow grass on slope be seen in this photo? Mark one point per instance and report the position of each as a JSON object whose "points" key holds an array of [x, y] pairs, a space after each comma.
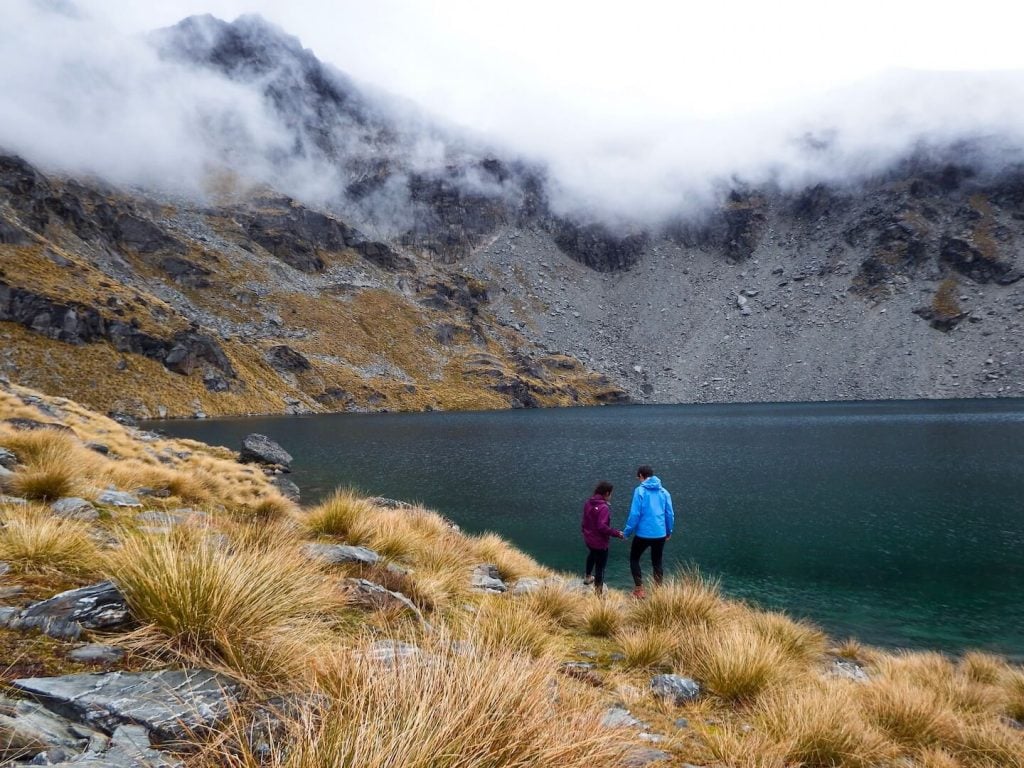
{"points": [[32, 540], [457, 711]]}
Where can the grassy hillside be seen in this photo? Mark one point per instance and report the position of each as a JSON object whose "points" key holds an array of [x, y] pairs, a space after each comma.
{"points": [[230, 586]]}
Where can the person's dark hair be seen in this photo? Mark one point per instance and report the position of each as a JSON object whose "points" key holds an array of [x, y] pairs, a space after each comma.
{"points": [[645, 471], [603, 488]]}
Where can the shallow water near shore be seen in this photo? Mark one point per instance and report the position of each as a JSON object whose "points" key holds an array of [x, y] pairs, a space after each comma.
{"points": [[899, 523]]}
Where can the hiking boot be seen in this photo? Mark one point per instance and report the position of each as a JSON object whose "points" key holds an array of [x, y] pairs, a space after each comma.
{"points": [[639, 593], [588, 580]]}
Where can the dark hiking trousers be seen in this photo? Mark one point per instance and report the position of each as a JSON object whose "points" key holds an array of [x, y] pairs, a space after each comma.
{"points": [[637, 549], [597, 559]]}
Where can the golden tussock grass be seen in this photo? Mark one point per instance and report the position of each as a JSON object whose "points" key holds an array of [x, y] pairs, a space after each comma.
{"points": [[647, 647], [52, 464], [1014, 685], [799, 642], [983, 668], [689, 599], [563, 604], [232, 608], [460, 711], [604, 615], [33, 540], [906, 713], [505, 624], [511, 563], [819, 726], [339, 515]]}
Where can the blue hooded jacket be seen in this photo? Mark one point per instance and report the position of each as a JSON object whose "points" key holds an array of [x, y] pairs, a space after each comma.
{"points": [[651, 515]]}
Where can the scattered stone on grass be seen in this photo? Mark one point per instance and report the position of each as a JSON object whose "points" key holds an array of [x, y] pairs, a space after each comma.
{"points": [[675, 687], [485, 578], [336, 554], [74, 508]]}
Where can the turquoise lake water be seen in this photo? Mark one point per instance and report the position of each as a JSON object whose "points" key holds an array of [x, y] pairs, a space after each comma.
{"points": [[900, 523]]}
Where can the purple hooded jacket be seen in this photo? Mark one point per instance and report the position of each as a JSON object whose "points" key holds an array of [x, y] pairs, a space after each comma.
{"points": [[597, 530]]}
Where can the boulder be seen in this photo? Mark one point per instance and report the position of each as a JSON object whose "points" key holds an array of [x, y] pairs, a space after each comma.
{"points": [[288, 489], [98, 606], [6, 479], [335, 554], [7, 459], [112, 498], [27, 728], [129, 747], [96, 653], [675, 687], [848, 670], [172, 706], [74, 508], [485, 578], [284, 358], [260, 449]]}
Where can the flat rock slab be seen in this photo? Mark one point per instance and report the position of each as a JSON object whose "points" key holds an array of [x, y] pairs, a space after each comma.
{"points": [[118, 499], [335, 554], [485, 578], [367, 594], [96, 653], [7, 459], [129, 747], [74, 508], [641, 756], [27, 728], [173, 706]]}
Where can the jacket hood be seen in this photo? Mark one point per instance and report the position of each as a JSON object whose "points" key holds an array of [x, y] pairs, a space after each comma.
{"points": [[652, 483]]}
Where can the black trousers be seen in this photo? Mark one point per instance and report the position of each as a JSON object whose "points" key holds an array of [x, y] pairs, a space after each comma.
{"points": [[597, 559], [637, 549]]}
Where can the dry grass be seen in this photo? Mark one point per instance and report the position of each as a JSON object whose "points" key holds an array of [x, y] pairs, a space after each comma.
{"points": [[684, 601], [604, 615], [906, 713], [52, 463], [504, 624], [983, 668], [32, 540], [345, 512], [819, 726], [800, 642], [1015, 695], [562, 604], [458, 711], [736, 664], [258, 614], [647, 647], [512, 563]]}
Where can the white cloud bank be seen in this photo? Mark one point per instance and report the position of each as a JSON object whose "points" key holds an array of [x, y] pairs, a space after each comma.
{"points": [[641, 110]]}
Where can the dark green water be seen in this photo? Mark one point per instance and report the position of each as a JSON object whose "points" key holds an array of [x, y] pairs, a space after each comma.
{"points": [[899, 523]]}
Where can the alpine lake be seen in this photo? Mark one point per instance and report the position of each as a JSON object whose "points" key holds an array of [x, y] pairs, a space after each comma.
{"points": [[898, 523]]}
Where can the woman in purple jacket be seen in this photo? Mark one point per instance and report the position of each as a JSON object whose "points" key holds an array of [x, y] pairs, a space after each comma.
{"points": [[597, 532]]}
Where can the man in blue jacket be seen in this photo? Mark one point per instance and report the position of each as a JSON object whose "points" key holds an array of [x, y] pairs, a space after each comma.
{"points": [[652, 519]]}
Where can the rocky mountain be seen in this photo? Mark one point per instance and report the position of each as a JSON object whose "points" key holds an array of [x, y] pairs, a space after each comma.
{"points": [[425, 270]]}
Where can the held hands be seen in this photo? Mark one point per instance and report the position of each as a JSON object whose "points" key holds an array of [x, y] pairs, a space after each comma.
{"points": [[619, 535]]}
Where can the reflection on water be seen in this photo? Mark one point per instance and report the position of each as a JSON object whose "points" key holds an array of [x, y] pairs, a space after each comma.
{"points": [[901, 523]]}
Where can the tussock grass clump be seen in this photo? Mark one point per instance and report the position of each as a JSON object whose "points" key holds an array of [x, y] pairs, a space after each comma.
{"points": [[982, 667], [988, 745], [819, 726], [736, 664], [504, 624], [53, 464], [935, 672], [511, 563], [605, 615], [1014, 686], [341, 515], [647, 647], [906, 713], [564, 605], [800, 642], [230, 608], [394, 536], [469, 710], [687, 600], [32, 540], [933, 757]]}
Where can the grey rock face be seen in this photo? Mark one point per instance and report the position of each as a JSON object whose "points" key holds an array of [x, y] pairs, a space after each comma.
{"points": [[96, 653], [6, 478], [336, 554], [27, 728], [118, 499], [485, 578], [367, 594], [619, 717], [7, 459], [129, 747], [260, 449], [848, 670], [170, 705], [287, 488], [679, 689], [97, 606], [74, 508]]}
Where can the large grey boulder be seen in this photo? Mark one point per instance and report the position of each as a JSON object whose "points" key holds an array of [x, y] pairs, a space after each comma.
{"points": [[336, 554], [485, 578], [173, 706], [260, 449], [74, 508], [288, 489], [98, 606], [675, 687]]}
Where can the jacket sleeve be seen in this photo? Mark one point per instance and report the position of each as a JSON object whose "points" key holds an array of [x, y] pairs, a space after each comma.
{"points": [[634, 514], [604, 519], [670, 514]]}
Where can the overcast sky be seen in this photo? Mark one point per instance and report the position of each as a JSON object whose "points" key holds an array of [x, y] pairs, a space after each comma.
{"points": [[618, 97]]}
